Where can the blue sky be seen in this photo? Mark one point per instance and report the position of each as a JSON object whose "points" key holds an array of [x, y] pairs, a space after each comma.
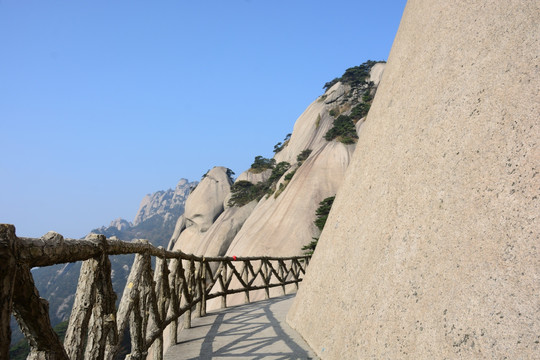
{"points": [[102, 102]]}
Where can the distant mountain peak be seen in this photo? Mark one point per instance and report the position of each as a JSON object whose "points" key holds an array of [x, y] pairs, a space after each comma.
{"points": [[163, 202]]}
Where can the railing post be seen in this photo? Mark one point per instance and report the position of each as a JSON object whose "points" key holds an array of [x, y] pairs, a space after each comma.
{"points": [[32, 313], [175, 301], [282, 268], [295, 272], [202, 285], [224, 276], [93, 317], [264, 265], [245, 279], [7, 276], [191, 291], [161, 277]]}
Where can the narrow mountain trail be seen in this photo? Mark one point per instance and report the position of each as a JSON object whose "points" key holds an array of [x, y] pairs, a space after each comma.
{"points": [[252, 331]]}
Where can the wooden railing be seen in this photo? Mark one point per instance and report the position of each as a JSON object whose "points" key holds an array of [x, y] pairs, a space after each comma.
{"points": [[152, 300]]}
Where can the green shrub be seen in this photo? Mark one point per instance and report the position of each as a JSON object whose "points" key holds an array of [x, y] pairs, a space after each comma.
{"points": [[230, 174], [290, 175], [277, 172], [367, 97], [329, 84], [343, 129], [303, 155], [354, 76], [322, 211], [321, 216], [359, 111], [279, 146], [260, 164], [244, 192]]}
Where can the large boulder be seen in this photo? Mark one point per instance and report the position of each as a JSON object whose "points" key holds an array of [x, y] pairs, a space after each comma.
{"points": [[432, 247], [203, 207]]}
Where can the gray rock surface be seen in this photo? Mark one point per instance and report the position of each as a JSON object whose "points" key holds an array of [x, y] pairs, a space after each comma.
{"points": [[254, 178], [432, 247], [218, 238], [282, 225], [203, 207], [163, 202]]}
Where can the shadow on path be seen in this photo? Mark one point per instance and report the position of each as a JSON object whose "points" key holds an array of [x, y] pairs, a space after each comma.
{"points": [[252, 331]]}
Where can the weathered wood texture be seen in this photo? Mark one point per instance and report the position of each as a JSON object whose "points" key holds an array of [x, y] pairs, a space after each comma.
{"points": [[151, 301], [8, 266]]}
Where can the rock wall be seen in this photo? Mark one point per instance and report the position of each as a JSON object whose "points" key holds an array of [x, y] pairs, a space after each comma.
{"points": [[203, 206], [432, 248]]}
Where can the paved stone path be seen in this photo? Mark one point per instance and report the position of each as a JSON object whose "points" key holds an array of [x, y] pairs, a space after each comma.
{"points": [[252, 331]]}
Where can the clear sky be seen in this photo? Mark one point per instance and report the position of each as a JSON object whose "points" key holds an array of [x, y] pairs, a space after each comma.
{"points": [[102, 102]]}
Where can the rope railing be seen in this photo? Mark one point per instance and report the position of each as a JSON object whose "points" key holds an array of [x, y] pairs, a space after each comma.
{"points": [[153, 299]]}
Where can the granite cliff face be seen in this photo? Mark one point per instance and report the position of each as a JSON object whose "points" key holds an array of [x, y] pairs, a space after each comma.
{"points": [[203, 207], [280, 220], [434, 235], [168, 204]]}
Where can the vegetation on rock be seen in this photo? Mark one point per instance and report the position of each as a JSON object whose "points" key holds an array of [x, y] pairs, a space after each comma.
{"points": [[243, 192], [260, 164], [280, 145], [355, 76], [361, 94], [344, 130], [321, 216], [277, 172], [359, 111], [286, 181], [303, 156], [334, 112]]}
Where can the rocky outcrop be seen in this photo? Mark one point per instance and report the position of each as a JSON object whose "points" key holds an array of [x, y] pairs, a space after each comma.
{"points": [[280, 225], [203, 207], [254, 177], [167, 203], [120, 224], [156, 218], [431, 250]]}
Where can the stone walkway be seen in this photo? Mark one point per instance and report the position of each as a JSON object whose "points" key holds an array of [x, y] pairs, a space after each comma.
{"points": [[252, 331]]}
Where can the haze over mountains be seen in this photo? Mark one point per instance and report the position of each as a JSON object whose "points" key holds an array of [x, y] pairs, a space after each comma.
{"points": [[156, 217], [155, 220]]}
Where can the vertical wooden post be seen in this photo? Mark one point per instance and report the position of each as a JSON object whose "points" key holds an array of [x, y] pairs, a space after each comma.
{"points": [[191, 290], [161, 275], [175, 301], [281, 271], [266, 277], [102, 328], [295, 271], [245, 278], [224, 280], [7, 276], [202, 309], [126, 306]]}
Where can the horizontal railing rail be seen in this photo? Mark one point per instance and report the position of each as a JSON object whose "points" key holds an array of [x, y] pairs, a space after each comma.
{"points": [[153, 299]]}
